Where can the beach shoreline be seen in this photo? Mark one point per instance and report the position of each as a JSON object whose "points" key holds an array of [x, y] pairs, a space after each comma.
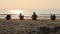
{"points": [[26, 25]]}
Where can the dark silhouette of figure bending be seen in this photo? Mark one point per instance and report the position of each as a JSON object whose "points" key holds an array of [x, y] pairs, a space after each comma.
{"points": [[21, 16], [34, 16], [53, 17], [8, 17]]}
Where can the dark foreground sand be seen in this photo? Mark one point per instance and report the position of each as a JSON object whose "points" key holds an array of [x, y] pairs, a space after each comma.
{"points": [[16, 26]]}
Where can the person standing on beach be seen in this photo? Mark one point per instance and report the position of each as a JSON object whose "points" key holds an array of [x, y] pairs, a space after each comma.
{"points": [[53, 17], [21, 16], [34, 16]]}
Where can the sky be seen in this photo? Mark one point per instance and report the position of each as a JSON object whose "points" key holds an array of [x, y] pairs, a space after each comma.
{"points": [[29, 4]]}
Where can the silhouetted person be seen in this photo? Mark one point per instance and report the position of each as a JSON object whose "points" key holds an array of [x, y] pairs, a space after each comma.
{"points": [[21, 16], [8, 17], [53, 17], [34, 16]]}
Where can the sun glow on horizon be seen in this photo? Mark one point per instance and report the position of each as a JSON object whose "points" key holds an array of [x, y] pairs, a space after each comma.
{"points": [[17, 11]]}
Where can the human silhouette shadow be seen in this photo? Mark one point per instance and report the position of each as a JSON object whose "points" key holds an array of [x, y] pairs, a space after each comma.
{"points": [[21, 16], [53, 17], [8, 17], [34, 16]]}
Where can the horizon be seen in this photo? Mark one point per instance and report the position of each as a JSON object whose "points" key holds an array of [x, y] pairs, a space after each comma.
{"points": [[30, 11]]}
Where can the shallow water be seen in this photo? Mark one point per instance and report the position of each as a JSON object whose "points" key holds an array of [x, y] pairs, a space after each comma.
{"points": [[29, 17]]}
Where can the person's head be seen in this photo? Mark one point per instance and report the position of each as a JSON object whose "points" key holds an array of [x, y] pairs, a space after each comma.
{"points": [[33, 13], [20, 13], [53, 15]]}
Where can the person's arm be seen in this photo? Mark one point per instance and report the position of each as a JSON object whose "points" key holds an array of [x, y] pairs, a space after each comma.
{"points": [[32, 16], [36, 16]]}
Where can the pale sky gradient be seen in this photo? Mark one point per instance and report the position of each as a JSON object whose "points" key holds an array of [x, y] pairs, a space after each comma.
{"points": [[29, 4]]}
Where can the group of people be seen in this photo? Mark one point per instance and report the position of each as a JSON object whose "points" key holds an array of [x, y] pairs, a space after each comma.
{"points": [[34, 16], [53, 17]]}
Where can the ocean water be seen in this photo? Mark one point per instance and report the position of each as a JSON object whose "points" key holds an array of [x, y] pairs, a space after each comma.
{"points": [[29, 17], [42, 13]]}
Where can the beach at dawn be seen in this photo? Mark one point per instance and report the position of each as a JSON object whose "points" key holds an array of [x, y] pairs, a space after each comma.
{"points": [[29, 16]]}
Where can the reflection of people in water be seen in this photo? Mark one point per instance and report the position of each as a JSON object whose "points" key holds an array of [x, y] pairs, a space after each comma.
{"points": [[21, 16], [34, 16], [8, 17]]}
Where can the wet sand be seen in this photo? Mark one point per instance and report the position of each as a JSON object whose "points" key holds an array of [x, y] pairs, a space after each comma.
{"points": [[27, 26]]}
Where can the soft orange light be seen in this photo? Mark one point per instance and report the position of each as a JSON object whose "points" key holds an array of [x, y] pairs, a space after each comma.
{"points": [[17, 11]]}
